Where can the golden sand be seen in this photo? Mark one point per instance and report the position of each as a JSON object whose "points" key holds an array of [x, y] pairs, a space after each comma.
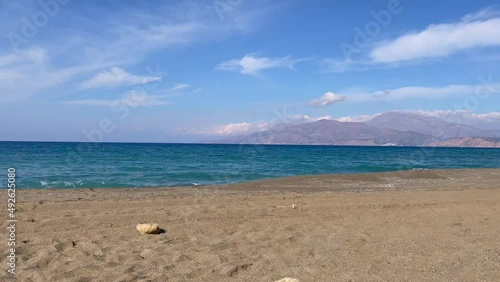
{"points": [[441, 225]]}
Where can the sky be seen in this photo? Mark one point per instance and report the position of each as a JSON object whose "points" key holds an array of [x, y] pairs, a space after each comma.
{"points": [[185, 71]]}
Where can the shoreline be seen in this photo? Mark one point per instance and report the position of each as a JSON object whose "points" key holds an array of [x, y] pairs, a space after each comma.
{"points": [[340, 178]]}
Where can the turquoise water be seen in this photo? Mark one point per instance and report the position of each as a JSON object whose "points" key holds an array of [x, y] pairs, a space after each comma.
{"points": [[80, 165]]}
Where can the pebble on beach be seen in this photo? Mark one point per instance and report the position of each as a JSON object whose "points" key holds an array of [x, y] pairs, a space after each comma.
{"points": [[148, 228], [286, 279]]}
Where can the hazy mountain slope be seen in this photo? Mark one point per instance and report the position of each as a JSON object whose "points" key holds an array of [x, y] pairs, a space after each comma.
{"points": [[392, 128], [437, 128], [469, 142], [329, 132]]}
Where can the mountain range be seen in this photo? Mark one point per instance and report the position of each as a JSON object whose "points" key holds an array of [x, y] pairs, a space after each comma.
{"points": [[387, 129]]}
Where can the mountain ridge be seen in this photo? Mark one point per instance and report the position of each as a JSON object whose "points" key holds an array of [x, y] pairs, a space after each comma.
{"points": [[438, 128], [387, 129]]}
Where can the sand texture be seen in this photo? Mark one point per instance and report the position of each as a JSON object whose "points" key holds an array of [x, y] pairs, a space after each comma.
{"points": [[439, 225]]}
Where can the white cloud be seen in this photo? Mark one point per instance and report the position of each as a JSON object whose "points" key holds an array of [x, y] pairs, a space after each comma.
{"points": [[27, 72], [131, 99], [306, 118], [472, 31], [251, 127], [232, 128], [229, 129], [360, 118], [440, 40], [81, 45], [328, 98], [488, 87], [489, 120], [252, 65], [115, 77], [177, 87]]}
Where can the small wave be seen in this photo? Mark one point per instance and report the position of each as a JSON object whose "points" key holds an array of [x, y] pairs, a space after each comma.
{"points": [[73, 184]]}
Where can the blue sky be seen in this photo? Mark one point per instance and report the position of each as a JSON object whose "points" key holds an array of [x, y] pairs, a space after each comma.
{"points": [[180, 71]]}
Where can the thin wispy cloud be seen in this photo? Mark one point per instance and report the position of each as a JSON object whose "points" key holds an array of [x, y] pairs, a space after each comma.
{"points": [[20, 59], [115, 77], [130, 99], [130, 36], [177, 87], [251, 65], [21, 64], [123, 37], [424, 92], [28, 72]]}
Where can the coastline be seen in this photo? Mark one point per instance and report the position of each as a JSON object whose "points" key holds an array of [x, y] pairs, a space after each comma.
{"points": [[420, 224], [337, 182]]}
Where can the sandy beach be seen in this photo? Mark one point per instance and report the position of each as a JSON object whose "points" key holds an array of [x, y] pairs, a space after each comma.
{"points": [[427, 225]]}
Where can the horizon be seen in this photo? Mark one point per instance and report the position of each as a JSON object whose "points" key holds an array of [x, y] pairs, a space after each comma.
{"points": [[468, 122], [206, 70], [250, 144]]}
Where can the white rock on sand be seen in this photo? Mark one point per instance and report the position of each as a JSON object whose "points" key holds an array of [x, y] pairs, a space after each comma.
{"points": [[148, 228], [147, 253], [286, 279]]}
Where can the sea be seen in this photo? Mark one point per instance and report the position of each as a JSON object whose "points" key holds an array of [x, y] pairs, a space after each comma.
{"points": [[109, 165]]}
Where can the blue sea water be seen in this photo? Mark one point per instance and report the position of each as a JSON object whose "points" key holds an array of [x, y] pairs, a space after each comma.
{"points": [[84, 165]]}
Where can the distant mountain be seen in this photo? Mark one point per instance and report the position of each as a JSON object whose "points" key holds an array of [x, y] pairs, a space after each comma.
{"points": [[435, 127], [330, 132], [470, 142], [387, 129]]}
